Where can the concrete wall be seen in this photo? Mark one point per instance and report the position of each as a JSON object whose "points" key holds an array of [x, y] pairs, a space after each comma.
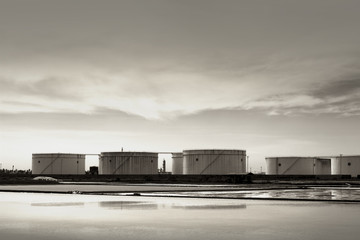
{"points": [[297, 165], [177, 163], [58, 163], [345, 165], [216, 161], [128, 163]]}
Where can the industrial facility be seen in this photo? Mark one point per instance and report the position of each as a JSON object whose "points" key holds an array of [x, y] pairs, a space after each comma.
{"points": [[328, 165], [192, 162], [177, 163], [58, 163], [346, 165], [128, 163], [215, 161], [298, 166]]}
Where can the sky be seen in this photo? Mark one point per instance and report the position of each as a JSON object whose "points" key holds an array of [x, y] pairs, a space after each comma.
{"points": [[272, 77]]}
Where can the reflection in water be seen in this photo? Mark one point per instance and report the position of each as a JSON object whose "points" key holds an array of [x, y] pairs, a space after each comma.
{"points": [[57, 204], [211, 207], [90, 217], [135, 205], [128, 205]]}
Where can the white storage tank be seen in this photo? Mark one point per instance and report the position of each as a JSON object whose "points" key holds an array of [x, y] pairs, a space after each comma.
{"points": [[298, 166], [215, 161], [345, 165], [58, 163], [128, 163], [177, 163]]}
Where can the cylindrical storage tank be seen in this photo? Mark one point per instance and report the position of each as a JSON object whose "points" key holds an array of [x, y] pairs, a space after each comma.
{"points": [[58, 163], [216, 161], [336, 165], [177, 163], [297, 166], [128, 163], [322, 166], [345, 165], [271, 165]]}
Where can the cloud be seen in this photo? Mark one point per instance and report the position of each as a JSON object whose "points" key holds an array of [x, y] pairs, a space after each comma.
{"points": [[50, 88], [340, 97], [274, 86], [338, 88], [102, 119], [170, 59], [44, 95]]}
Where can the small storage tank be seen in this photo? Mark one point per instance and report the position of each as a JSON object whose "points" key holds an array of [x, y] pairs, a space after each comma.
{"points": [[58, 163], [128, 163], [298, 166], [345, 165], [216, 161], [177, 163]]}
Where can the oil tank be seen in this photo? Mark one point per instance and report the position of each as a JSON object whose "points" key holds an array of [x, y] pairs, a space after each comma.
{"points": [[214, 161], [177, 163], [298, 166], [345, 165], [58, 163], [128, 163]]}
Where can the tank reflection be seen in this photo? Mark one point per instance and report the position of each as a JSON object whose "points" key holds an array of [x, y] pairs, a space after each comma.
{"points": [[128, 205], [58, 204], [211, 207], [89, 217]]}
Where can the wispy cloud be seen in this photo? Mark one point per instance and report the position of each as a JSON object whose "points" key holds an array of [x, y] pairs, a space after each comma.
{"points": [[169, 93], [51, 88], [340, 97], [170, 59], [340, 88]]}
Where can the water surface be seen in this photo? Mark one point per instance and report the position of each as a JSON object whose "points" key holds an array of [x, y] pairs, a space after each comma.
{"points": [[75, 216]]}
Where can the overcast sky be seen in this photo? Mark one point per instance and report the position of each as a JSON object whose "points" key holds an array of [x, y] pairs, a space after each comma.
{"points": [[273, 77]]}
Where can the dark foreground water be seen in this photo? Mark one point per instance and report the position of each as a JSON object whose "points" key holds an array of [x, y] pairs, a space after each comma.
{"points": [[74, 216]]}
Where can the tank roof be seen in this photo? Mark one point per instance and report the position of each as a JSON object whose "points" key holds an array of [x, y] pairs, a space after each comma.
{"points": [[330, 156], [214, 152], [129, 154], [58, 154], [215, 149]]}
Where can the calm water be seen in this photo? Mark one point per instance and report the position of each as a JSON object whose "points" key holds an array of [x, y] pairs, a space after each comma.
{"points": [[72, 216]]}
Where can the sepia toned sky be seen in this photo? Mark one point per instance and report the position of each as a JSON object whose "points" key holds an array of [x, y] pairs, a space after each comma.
{"points": [[273, 77]]}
